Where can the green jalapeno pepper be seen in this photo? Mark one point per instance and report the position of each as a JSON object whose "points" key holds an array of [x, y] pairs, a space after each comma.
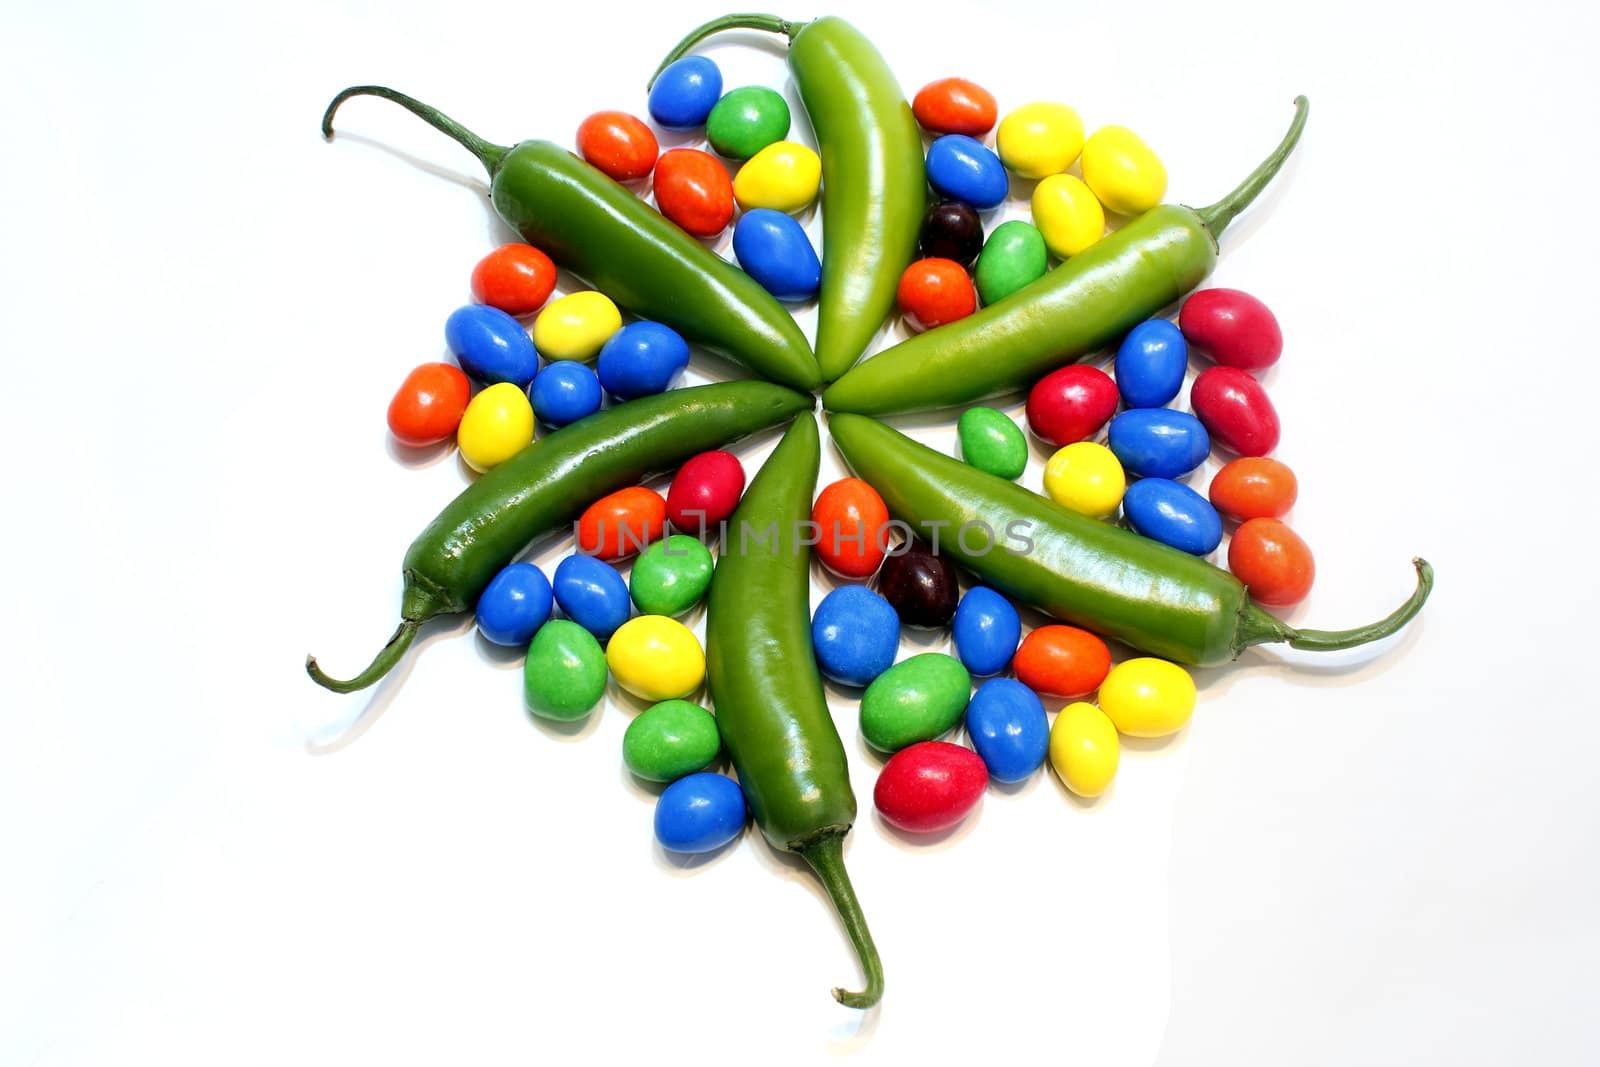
{"points": [[1085, 304], [1082, 571], [873, 190], [618, 244], [768, 695], [548, 484]]}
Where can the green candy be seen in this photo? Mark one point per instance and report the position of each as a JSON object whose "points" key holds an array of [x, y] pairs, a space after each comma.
{"points": [[564, 676], [1012, 257], [746, 120], [915, 700], [991, 442], [670, 576], [671, 739]]}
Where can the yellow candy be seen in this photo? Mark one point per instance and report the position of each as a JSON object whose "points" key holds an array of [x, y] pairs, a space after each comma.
{"points": [[1148, 697], [575, 326], [497, 424], [656, 658], [1122, 171], [1067, 214], [783, 176], [1039, 139], [1086, 478], [1084, 749]]}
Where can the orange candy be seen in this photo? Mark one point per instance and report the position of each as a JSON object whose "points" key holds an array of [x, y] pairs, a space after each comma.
{"points": [[618, 145], [955, 105], [852, 527], [1254, 487], [693, 189], [623, 523], [1273, 562], [515, 278], [935, 291], [1062, 661]]}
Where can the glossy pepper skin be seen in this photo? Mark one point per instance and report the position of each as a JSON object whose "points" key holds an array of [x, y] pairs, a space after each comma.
{"points": [[619, 245], [549, 484], [769, 700], [1084, 305], [1088, 573], [873, 186]]}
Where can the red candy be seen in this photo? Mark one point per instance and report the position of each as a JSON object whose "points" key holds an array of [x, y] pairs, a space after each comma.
{"points": [[933, 292], [1062, 661], [1254, 488], [1273, 561], [705, 491], [1232, 327], [622, 523], [428, 406], [1070, 404], [955, 105], [515, 278], [693, 189], [930, 786], [1235, 410], [618, 145], [852, 528]]}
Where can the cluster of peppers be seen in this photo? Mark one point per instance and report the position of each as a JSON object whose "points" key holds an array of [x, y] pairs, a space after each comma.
{"points": [[763, 677]]}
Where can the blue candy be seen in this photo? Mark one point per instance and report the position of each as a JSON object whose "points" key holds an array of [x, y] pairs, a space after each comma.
{"points": [[699, 812], [775, 251], [592, 594], [1150, 364], [685, 93], [565, 391], [960, 168], [987, 629], [855, 633], [1158, 442], [1173, 514], [491, 345], [641, 359], [514, 604], [1008, 729]]}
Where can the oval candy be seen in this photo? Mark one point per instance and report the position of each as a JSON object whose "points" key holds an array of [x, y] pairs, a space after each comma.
{"points": [[773, 249], [692, 189], [1151, 363], [685, 92], [699, 813], [955, 105], [855, 634], [1235, 410], [929, 787], [1013, 257], [1122, 171], [960, 168], [1174, 514], [1087, 478], [656, 658], [1085, 749], [852, 528], [705, 491], [917, 699], [671, 576], [1068, 216], [564, 676], [1039, 139], [986, 629], [618, 145], [516, 278], [921, 584], [1070, 404], [1008, 728], [991, 442], [622, 523], [491, 345], [591, 593], [1062, 661], [669, 740], [497, 424], [514, 604], [1232, 328], [576, 326], [1148, 697], [1158, 442], [428, 406], [641, 359], [746, 120], [783, 176], [1254, 487], [951, 230], [564, 392]]}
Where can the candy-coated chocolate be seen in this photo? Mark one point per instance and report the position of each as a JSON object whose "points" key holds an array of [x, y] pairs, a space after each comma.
{"points": [[1070, 404], [1068, 216], [514, 604], [986, 629], [783, 176], [1085, 749], [951, 230], [576, 326], [955, 105], [1124, 174], [622, 523], [693, 190], [428, 406], [592, 594], [852, 522], [1172, 513], [1159, 442], [669, 740], [1151, 362], [656, 658], [991, 442], [917, 699], [641, 359], [564, 392], [1039, 139], [491, 345], [930, 787], [933, 292], [746, 120], [564, 676], [1235, 410], [699, 813], [1014, 256], [922, 586], [1062, 661], [773, 249], [516, 278], [685, 93], [960, 168], [618, 144], [855, 633], [1148, 697], [705, 491], [497, 424], [1087, 478], [1232, 328], [1273, 561], [670, 576], [1254, 487], [1007, 726]]}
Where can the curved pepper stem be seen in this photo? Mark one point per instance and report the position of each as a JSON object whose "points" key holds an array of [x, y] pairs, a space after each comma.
{"points": [[381, 664], [1256, 627], [1218, 215], [826, 857], [765, 23], [488, 154]]}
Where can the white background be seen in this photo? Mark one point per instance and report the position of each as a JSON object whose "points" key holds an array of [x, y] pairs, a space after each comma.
{"points": [[1380, 857]]}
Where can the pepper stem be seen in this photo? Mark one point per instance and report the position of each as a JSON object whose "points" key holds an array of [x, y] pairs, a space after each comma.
{"points": [[1218, 215], [765, 23], [1333, 640], [826, 857], [381, 664], [488, 154]]}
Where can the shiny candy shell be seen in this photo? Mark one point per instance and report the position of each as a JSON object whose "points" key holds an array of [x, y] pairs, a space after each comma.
{"points": [[618, 145], [1007, 726], [855, 634], [497, 424], [1233, 328], [669, 740], [986, 629], [564, 392], [1151, 363], [1085, 749], [592, 594], [1062, 661], [1254, 487], [685, 92], [705, 491], [1039, 139], [783, 176], [1014, 256], [1087, 478], [514, 604], [516, 278], [692, 189], [1122, 171], [955, 105], [1174, 514], [852, 522], [575, 326], [491, 345], [991, 442], [641, 359], [1070, 404], [1159, 442], [920, 584], [960, 168], [622, 523], [1236, 410], [746, 120], [656, 658], [773, 249], [915, 700], [930, 787], [1148, 697], [670, 576], [699, 813], [951, 230], [564, 676], [1068, 216]]}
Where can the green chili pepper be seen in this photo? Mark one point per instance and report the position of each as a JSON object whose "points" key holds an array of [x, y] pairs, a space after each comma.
{"points": [[548, 485], [618, 244], [873, 190], [768, 695], [1089, 573], [1085, 304]]}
